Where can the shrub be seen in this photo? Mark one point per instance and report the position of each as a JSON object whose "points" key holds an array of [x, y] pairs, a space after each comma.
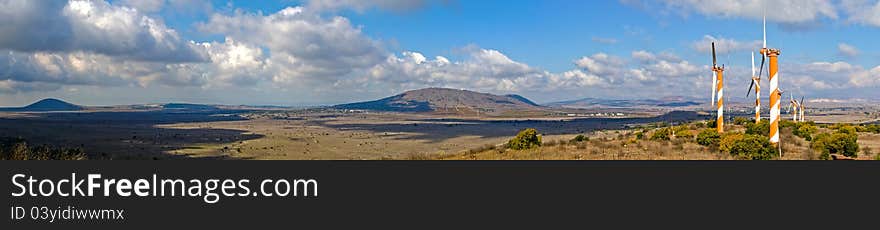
{"points": [[711, 123], [843, 141], [525, 139], [579, 138], [760, 128], [747, 146], [805, 130], [708, 137], [869, 128], [683, 132], [662, 134], [18, 149], [640, 135], [741, 121]]}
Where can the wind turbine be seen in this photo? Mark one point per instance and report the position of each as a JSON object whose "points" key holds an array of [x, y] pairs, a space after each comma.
{"points": [[793, 104], [775, 93], [802, 108], [718, 72], [756, 83]]}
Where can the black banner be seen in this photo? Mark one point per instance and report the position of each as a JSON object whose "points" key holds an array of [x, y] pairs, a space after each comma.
{"points": [[457, 194]]}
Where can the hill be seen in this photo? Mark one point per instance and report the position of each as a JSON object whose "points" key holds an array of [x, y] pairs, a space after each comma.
{"points": [[617, 103], [445, 100], [185, 106], [46, 105]]}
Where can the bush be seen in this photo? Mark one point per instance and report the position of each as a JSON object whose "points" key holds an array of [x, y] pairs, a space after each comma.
{"points": [[741, 121], [711, 123], [708, 137], [683, 131], [661, 134], [747, 146], [640, 135], [805, 130], [760, 128], [579, 138], [525, 139], [843, 141], [18, 149], [869, 128]]}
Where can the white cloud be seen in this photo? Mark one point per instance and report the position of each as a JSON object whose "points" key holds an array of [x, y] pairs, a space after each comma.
{"points": [[146, 6], [601, 63], [362, 5], [724, 45], [90, 26], [302, 44], [783, 11], [847, 50], [862, 11]]}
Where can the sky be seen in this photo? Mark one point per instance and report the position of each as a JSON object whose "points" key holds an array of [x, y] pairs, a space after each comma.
{"points": [[321, 52]]}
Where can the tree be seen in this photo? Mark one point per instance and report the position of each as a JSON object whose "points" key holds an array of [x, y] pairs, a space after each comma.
{"points": [[708, 137], [683, 132], [741, 121], [747, 146], [843, 141], [661, 134], [525, 139], [579, 138], [805, 130], [760, 128]]}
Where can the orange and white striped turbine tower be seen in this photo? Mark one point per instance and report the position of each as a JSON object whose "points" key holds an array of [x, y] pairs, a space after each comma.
{"points": [[756, 83], [801, 108], [775, 93], [719, 90]]}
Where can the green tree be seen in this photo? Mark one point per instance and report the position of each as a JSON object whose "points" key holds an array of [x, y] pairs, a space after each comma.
{"points": [[843, 141], [708, 137], [760, 128], [661, 134], [525, 139], [747, 146], [579, 138]]}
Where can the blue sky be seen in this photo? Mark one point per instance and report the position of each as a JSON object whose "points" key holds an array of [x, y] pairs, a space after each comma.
{"points": [[333, 51]]}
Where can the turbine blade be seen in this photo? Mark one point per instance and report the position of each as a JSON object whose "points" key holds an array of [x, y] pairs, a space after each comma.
{"points": [[761, 70], [750, 88], [753, 64], [714, 60], [765, 27]]}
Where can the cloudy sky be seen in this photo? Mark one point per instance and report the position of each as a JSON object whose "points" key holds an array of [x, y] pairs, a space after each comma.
{"points": [[318, 52]]}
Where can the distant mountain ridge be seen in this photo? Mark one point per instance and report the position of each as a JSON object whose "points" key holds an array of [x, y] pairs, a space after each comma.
{"points": [[620, 103], [46, 105], [443, 99]]}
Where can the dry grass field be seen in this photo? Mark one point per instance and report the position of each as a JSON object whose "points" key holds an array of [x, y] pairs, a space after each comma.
{"points": [[345, 135]]}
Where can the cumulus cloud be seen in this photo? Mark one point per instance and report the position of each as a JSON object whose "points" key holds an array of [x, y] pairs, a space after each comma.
{"points": [[146, 6], [302, 44], [362, 5], [847, 50], [90, 26], [862, 11], [601, 63], [725, 45], [782, 11]]}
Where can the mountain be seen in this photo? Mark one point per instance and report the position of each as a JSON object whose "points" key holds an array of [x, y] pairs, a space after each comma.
{"points": [[445, 100], [46, 105], [616, 103], [185, 106]]}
